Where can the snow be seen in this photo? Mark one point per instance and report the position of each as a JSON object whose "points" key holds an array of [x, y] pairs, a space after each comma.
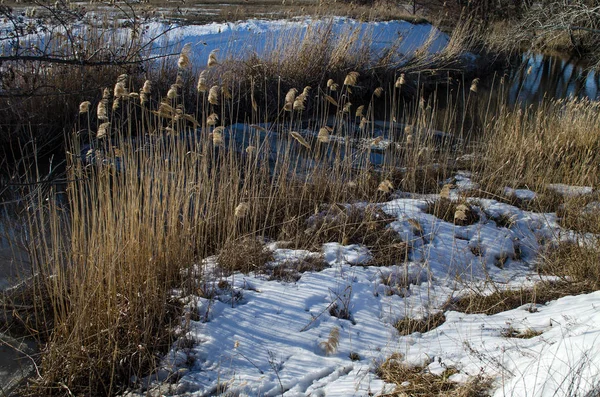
{"points": [[265, 337]]}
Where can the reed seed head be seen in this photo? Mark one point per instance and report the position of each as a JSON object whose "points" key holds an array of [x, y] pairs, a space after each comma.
{"points": [[212, 59], [212, 119], [184, 58], [351, 79], [84, 107], [103, 130], [359, 111], [385, 186], [147, 88], [202, 85], [300, 139], [120, 90], [474, 85], [400, 81], [172, 93], [242, 210], [323, 136], [378, 91], [213, 95], [101, 111]]}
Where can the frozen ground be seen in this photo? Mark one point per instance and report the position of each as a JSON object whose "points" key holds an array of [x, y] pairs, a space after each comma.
{"points": [[265, 337]]}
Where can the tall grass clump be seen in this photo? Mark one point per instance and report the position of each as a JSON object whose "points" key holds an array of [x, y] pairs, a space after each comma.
{"points": [[556, 142]]}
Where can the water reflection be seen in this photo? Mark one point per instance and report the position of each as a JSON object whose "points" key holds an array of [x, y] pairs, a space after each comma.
{"points": [[542, 76]]}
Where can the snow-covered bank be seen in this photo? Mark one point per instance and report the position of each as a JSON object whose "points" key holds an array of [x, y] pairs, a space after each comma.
{"points": [[262, 337], [261, 37]]}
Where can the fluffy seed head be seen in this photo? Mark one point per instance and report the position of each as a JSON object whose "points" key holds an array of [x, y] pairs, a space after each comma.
{"points": [[359, 111], [120, 90], [212, 59], [300, 139], [103, 130], [474, 85], [84, 107], [101, 111], [400, 81], [184, 58], [242, 210], [212, 119], [172, 93], [213, 95], [217, 136], [409, 139], [202, 84], [445, 193], [323, 136], [147, 88], [330, 82], [385, 186], [351, 79], [291, 95], [378, 91]]}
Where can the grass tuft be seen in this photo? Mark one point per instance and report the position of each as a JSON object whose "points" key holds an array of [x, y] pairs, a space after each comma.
{"points": [[407, 325], [417, 381]]}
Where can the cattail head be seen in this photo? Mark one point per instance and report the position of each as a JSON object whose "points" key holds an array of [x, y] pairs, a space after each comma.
{"points": [[400, 81], [133, 95], [122, 78], [385, 186], [359, 111], [106, 94], [378, 91], [212, 59], [202, 84], [103, 130], [84, 107], [116, 103], [474, 85], [351, 79], [184, 58], [330, 82], [242, 210], [172, 93], [323, 136]]}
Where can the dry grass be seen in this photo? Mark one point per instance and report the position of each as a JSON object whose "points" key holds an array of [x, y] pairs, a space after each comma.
{"points": [[556, 142], [351, 225], [407, 325], [291, 271], [460, 213], [416, 381], [528, 333], [246, 255], [502, 300], [576, 263]]}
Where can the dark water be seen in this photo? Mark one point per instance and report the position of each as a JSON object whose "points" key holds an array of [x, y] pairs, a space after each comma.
{"points": [[537, 77]]}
